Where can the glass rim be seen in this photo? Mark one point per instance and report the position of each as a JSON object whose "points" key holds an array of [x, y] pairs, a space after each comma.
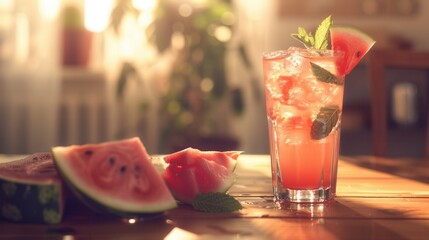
{"points": [[272, 54]]}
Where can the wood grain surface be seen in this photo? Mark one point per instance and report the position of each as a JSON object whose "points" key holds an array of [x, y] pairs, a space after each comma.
{"points": [[377, 198]]}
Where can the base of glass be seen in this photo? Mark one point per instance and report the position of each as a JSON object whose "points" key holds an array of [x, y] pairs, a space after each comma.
{"points": [[304, 196]]}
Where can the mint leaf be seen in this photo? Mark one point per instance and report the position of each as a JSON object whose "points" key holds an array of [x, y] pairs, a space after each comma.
{"points": [[320, 40], [324, 75], [325, 121], [306, 38], [322, 32], [216, 202]]}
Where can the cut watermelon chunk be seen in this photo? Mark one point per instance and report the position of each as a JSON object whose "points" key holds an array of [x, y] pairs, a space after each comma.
{"points": [[115, 177], [353, 43], [31, 190], [192, 171], [190, 156]]}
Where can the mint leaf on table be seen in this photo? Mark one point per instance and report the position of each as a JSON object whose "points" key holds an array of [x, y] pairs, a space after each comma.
{"points": [[324, 75], [325, 121], [216, 202]]}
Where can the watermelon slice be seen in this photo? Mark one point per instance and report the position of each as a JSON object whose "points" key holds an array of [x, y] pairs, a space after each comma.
{"points": [[191, 171], [190, 156], [31, 190], [115, 177], [353, 43]]}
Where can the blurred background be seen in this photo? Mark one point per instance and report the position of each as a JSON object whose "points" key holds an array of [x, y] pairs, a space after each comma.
{"points": [[174, 72]]}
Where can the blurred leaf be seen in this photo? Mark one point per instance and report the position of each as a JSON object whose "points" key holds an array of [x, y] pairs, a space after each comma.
{"points": [[127, 70], [254, 80], [244, 56], [237, 101], [121, 8], [160, 33]]}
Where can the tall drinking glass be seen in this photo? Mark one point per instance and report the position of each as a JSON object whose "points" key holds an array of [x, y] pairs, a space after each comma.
{"points": [[304, 98]]}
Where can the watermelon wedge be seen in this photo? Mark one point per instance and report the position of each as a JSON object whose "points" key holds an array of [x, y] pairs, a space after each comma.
{"points": [[353, 43], [190, 156], [115, 177], [31, 190], [191, 171]]}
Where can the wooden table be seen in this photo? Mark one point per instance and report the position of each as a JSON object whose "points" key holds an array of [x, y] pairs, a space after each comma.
{"points": [[377, 199]]}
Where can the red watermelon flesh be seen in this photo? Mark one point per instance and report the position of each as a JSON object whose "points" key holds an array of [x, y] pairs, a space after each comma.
{"points": [[116, 176], [192, 171], [190, 155], [353, 43]]}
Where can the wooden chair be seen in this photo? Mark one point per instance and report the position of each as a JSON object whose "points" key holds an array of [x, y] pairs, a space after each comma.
{"points": [[378, 61]]}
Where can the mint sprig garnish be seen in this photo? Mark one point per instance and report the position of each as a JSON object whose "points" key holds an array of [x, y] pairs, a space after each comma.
{"points": [[322, 33], [319, 40], [304, 37], [216, 202], [325, 121], [324, 75]]}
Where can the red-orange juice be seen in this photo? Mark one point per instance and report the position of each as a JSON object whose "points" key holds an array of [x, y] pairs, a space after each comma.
{"points": [[304, 96]]}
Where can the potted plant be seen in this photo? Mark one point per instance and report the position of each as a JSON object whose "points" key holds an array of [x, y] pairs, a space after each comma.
{"points": [[200, 35], [76, 40]]}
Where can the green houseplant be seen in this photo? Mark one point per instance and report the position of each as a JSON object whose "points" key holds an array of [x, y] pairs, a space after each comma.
{"points": [[197, 82]]}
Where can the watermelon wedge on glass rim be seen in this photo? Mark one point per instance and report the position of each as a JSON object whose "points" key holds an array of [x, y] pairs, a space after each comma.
{"points": [[353, 43], [114, 177]]}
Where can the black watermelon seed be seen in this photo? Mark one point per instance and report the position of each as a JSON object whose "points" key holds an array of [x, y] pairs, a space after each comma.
{"points": [[123, 169], [112, 161], [88, 152], [358, 54]]}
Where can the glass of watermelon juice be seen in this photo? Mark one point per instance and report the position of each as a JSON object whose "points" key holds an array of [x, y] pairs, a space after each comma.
{"points": [[304, 95]]}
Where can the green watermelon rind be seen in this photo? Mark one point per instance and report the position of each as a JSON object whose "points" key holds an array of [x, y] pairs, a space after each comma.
{"points": [[31, 203], [100, 202], [31, 191], [233, 163], [104, 209]]}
